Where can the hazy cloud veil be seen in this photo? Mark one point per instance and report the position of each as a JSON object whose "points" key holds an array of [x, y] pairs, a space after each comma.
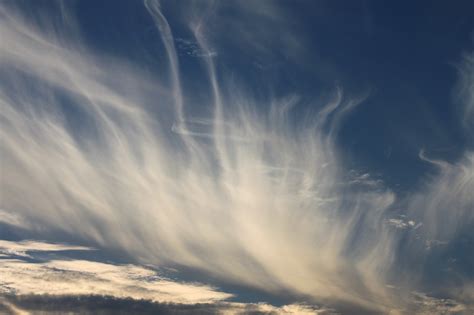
{"points": [[118, 157]]}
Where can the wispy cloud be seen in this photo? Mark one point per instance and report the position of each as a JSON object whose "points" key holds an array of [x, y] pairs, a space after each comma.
{"points": [[236, 209], [464, 92], [88, 149]]}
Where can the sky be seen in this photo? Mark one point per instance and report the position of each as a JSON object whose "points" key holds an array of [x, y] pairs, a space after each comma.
{"points": [[236, 157]]}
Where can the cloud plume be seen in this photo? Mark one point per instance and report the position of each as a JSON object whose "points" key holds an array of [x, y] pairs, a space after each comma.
{"points": [[95, 147]]}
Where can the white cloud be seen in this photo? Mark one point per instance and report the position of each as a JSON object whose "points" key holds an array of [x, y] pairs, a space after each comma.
{"points": [[23, 247], [276, 212], [424, 305], [445, 203], [84, 277], [236, 209], [67, 277], [402, 223]]}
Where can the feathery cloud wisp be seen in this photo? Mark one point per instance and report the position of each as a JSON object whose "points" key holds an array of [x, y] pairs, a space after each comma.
{"points": [[110, 155]]}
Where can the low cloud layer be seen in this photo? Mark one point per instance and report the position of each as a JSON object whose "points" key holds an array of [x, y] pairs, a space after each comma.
{"points": [[30, 282], [24, 305], [85, 277]]}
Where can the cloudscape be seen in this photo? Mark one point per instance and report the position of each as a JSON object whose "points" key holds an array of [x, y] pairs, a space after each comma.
{"points": [[236, 157]]}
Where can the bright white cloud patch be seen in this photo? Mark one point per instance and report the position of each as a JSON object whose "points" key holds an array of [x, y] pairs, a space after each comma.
{"points": [[84, 277]]}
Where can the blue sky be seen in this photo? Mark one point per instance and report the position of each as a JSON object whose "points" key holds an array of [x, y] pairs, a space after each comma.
{"points": [[237, 156]]}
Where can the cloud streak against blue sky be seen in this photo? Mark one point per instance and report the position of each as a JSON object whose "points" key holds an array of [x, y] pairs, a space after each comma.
{"points": [[223, 181]]}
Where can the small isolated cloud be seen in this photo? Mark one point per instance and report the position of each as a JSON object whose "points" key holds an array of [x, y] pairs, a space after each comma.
{"points": [[401, 223], [430, 244]]}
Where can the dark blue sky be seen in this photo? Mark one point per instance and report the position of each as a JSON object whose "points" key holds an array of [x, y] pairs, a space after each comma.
{"points": [[402, 53]]}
